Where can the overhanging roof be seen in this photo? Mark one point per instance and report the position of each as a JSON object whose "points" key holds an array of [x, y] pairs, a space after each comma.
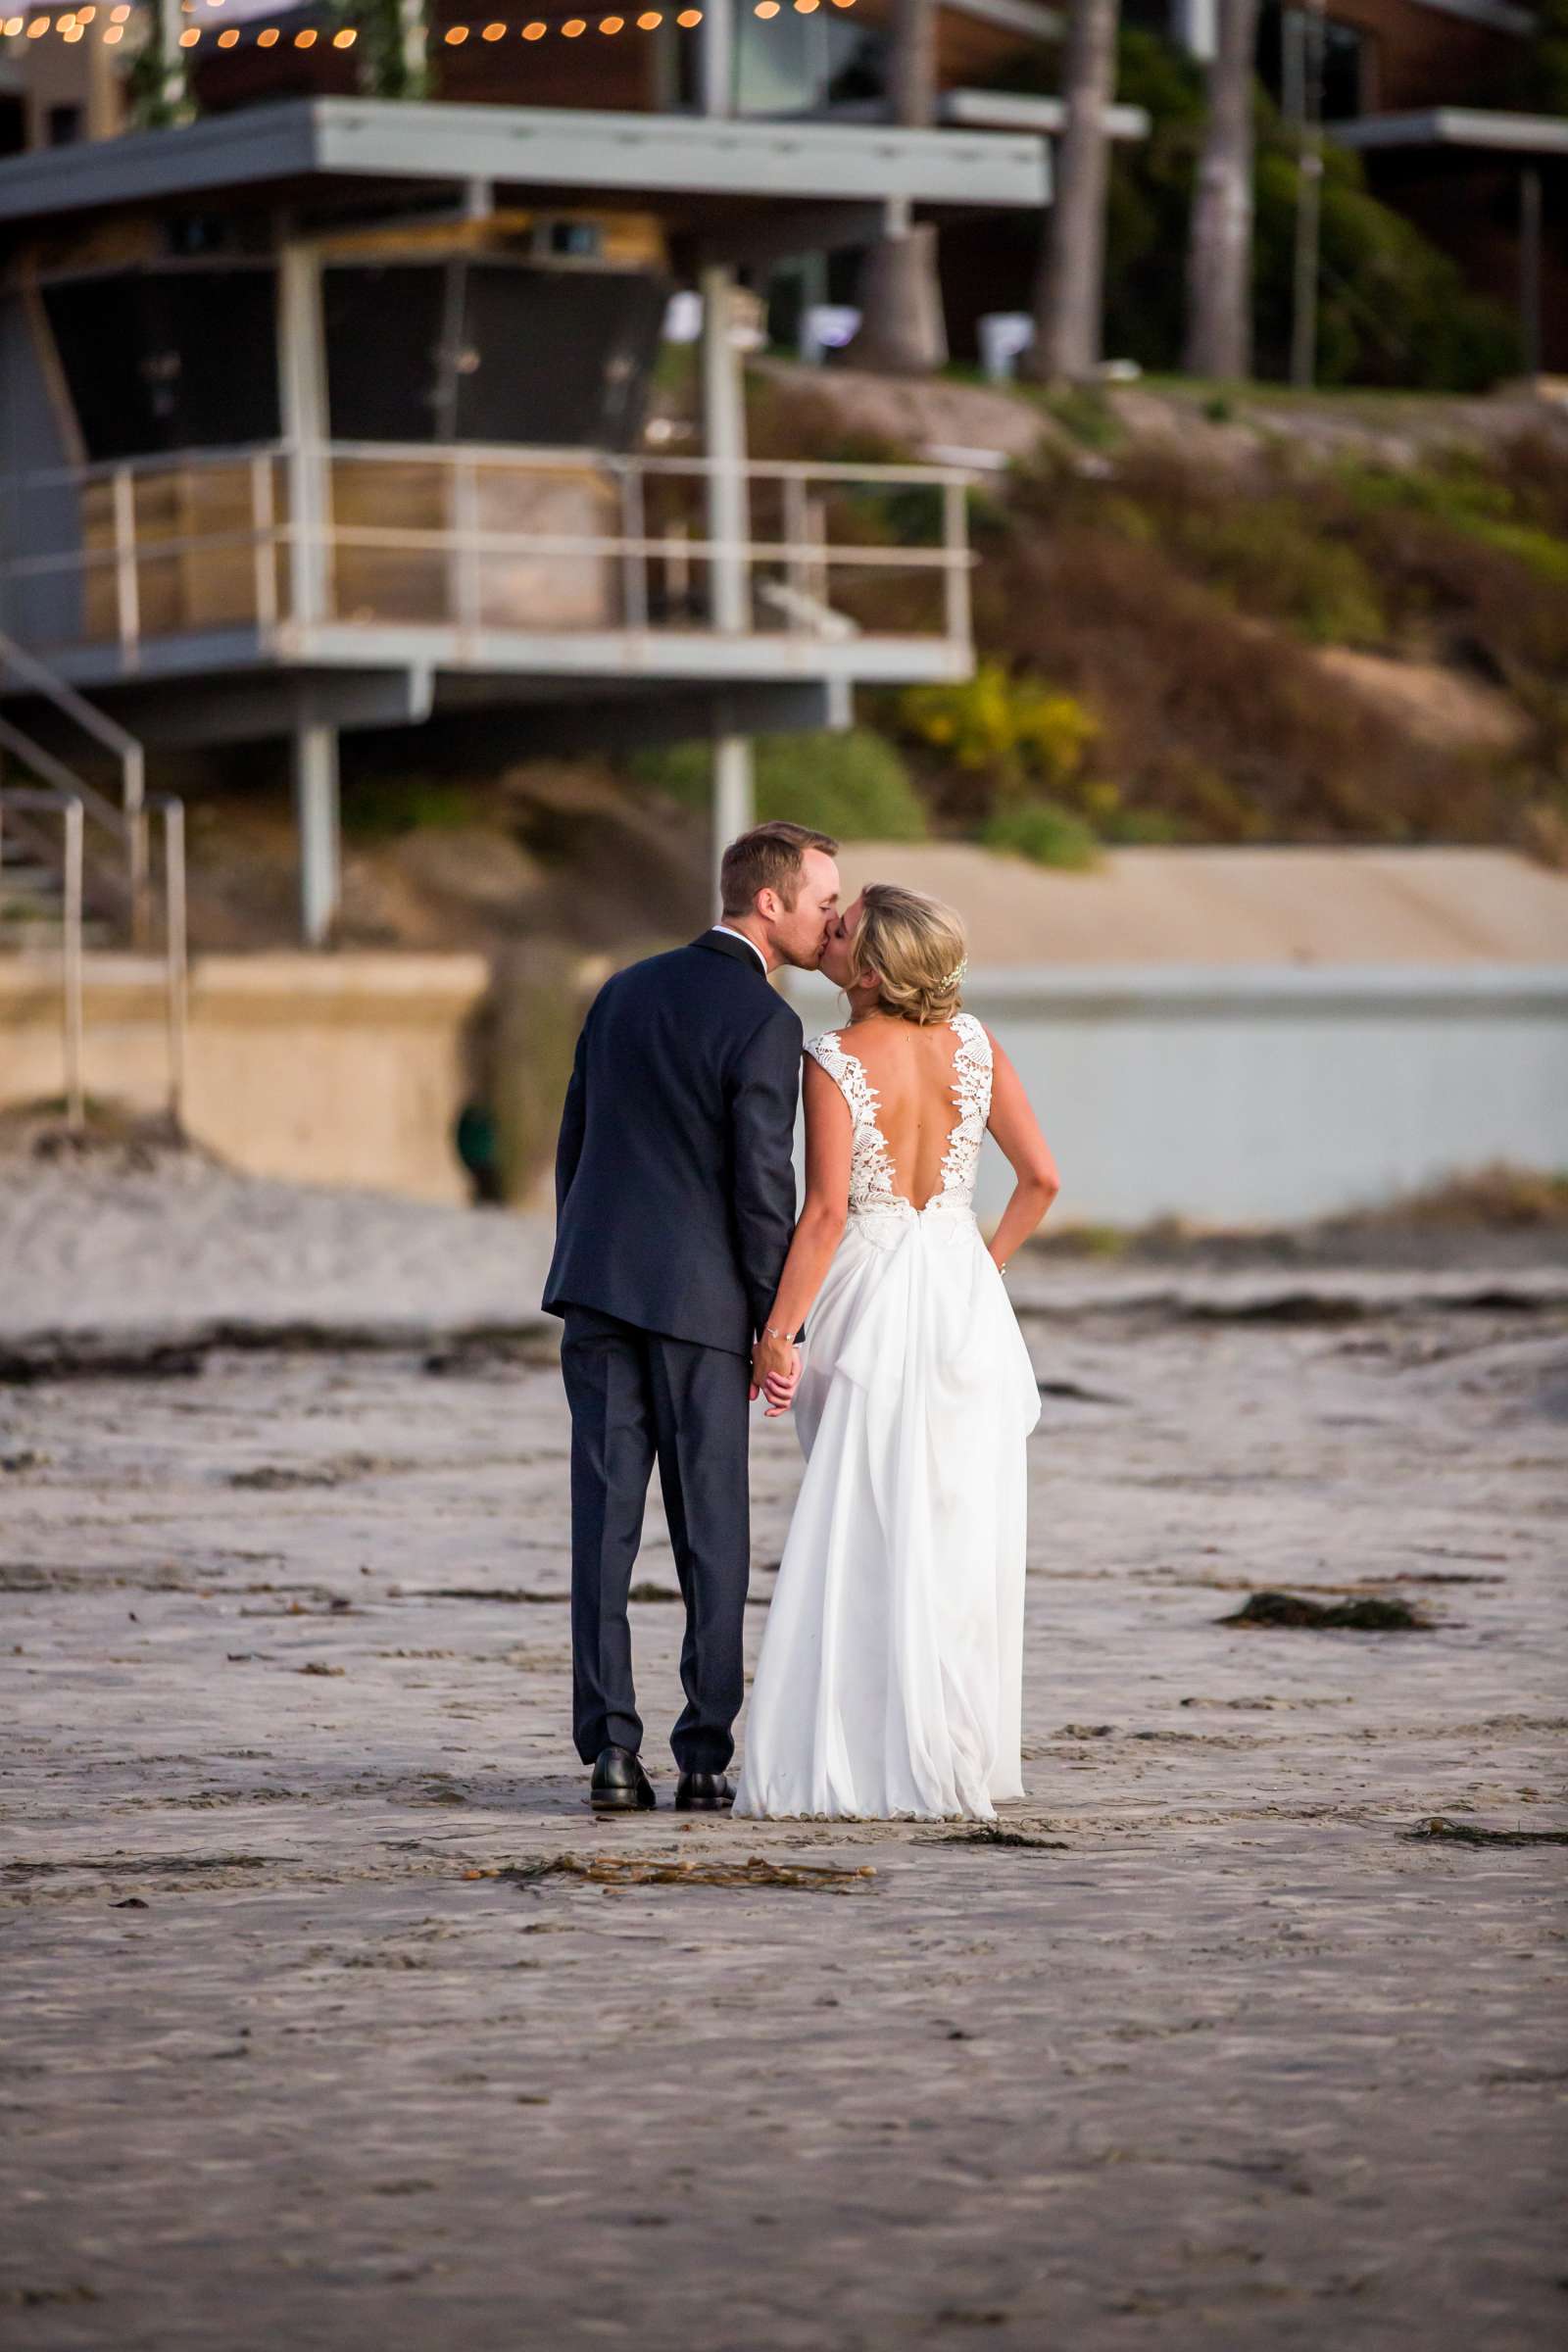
{"points": [[1473, 126], [328, 152]]}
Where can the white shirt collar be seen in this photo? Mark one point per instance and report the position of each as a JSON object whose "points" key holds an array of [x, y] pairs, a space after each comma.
{"points": [[751, 943]]}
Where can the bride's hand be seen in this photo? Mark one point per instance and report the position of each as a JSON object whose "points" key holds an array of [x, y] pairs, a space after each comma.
{"points": [[772, 1359], [775, 1374]]}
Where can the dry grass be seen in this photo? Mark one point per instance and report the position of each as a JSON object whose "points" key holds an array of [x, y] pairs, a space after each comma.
{"points": [[1498, 1195], [1211, 716]]}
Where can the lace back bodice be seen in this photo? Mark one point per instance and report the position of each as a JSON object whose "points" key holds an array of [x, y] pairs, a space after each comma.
{"points": [[872, 1191]]}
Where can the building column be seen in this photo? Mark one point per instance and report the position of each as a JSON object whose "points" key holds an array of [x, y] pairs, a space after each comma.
{"points": [[734, 798], [306, 431], [1530, 267], [725, 440], [317, 829], [728, 525]]}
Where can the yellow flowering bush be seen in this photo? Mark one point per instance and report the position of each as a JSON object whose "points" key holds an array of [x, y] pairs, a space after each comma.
{"points": [[1019, 730]]}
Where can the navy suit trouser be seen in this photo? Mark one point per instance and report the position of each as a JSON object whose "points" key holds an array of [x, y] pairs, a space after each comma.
{"points": [[638, 1398]]}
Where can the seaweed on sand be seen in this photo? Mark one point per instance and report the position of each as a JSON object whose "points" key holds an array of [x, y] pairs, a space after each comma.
{"points": [[1369, 1615]]}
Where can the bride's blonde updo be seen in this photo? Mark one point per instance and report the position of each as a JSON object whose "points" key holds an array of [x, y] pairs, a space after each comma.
{"points": [[917, 948]]}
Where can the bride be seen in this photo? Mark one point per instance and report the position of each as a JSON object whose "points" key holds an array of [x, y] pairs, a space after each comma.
{"points": [[891, 1673]]}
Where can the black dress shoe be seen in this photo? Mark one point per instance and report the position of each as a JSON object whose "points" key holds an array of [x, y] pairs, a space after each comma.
{"points": [[704, 1793], [619, 1784]]}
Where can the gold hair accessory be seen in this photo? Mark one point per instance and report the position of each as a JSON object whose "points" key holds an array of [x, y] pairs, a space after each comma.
{"points": [[956, 974]]}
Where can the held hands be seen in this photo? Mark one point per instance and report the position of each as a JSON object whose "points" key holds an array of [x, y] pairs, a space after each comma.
{"points": [[775, 1374]]}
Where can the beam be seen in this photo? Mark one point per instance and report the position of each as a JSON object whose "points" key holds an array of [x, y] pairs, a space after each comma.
{"points": [[258, 708], [781, 231]]}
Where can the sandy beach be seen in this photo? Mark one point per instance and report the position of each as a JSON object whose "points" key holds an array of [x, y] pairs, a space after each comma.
{"points": [[331, 2018]]}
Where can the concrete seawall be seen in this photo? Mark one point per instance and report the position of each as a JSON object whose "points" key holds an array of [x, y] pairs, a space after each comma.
{"points": [[330, 1069], [1252, 1095], [1227, 1093]]}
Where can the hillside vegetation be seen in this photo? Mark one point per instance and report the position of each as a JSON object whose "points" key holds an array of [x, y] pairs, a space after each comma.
{"points": [[1203, 616], [1220, 618]]}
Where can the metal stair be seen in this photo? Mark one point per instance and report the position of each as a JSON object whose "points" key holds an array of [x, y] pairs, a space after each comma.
{"points": [[76, 875]]}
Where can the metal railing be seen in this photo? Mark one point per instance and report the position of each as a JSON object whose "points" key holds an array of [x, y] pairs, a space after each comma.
{"points": [[650, 567], [21, 805], [15, 800], [125, 825]]}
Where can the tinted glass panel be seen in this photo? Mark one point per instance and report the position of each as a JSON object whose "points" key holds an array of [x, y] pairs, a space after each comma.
{"points": [[556, 356], [383, 350], [178, 359]]}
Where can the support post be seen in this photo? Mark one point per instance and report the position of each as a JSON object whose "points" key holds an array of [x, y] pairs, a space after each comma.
{"points": [[734, 798], [1310, 35], [1530, 267], [301, 390], [729, 575], [729, 528], [176, 956], [716, 70], [306, 431], [174, 93], [71, 952], [316, 824], [724, 439]]}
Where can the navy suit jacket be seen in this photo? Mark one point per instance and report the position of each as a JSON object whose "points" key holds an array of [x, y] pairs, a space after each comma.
{"points": [[675, 1173]]}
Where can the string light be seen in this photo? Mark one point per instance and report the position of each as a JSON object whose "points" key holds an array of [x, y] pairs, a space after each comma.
{"points": [[73, 25]]}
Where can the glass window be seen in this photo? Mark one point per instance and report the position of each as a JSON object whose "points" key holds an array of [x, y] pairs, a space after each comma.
{"points": [[167, 359], [479, 350], [793, 65]]}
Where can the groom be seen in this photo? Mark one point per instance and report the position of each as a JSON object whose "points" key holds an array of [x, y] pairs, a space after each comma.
{"points": [[674, 1207]]}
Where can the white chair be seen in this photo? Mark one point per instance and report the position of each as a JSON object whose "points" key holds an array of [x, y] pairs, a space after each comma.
{"points": [[1004, 334], [826, 326]]}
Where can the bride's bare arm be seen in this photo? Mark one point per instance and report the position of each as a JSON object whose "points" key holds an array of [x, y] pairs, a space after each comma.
{"points": [[829, 1140], [1017, 1130]]}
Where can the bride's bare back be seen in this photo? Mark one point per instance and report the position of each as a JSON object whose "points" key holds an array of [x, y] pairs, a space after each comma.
{"points": [[912, 1067]]}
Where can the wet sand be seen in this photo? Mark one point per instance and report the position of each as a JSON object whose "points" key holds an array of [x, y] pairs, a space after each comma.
{"points": [[1211, 2046]]}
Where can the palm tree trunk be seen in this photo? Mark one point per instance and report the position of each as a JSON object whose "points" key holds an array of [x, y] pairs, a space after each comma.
{"points": [[1219, 252], [1070, 284], [902, 328]]}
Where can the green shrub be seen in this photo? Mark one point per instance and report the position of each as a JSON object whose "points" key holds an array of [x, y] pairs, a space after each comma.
{"points": [[1143, 828], [379, 808], [1044, 832], [1084, 411], [850, 782], [1268, 556]]}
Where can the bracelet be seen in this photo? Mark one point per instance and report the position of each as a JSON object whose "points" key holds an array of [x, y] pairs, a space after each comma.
{"points": [[768, 1333]]}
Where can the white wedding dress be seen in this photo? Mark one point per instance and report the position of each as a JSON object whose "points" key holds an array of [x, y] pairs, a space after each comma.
{"points": [[891, 1675]]}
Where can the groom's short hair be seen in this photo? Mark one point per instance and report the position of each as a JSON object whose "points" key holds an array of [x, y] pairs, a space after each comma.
{"points": [[769, 857]]}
